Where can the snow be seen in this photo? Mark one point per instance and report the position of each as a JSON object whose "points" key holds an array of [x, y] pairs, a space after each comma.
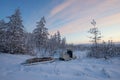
{"points": [[82, 68]]}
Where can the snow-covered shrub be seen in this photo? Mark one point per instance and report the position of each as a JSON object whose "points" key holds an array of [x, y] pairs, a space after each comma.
{"points": [[104, 50], [56, 44]]}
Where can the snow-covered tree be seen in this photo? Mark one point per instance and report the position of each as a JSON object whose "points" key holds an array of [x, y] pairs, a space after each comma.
{"points": [[29, 42], [95, 34], [95, 37], [52, 46], [56, 43], [108, 49], [58, 38], [41, 36], [3, 37], [15, 33], [63, 44]]}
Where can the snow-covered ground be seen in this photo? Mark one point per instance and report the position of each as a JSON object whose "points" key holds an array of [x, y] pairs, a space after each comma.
{"points": [[80, 69]]}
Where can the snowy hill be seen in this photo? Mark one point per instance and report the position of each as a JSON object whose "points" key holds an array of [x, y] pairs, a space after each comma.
{"points": [[80, 69]]}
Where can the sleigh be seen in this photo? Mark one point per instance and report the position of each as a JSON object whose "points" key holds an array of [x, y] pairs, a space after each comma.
{"points": [[34, 61]]}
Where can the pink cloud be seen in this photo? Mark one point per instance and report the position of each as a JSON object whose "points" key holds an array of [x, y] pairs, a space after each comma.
{"points": [[61, 7], [109, 20], [74, 26]]}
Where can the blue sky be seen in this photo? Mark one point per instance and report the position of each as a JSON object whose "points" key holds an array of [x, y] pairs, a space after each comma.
{"points": [[71, 17]]}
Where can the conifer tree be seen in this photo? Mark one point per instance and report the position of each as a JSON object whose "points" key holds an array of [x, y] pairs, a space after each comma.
{"points": [[41, 36], [95, 34], [95, 37], [15, 33], [3, 37]]}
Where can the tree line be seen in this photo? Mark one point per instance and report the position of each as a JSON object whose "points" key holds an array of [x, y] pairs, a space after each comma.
{"points": [[15, 40]]}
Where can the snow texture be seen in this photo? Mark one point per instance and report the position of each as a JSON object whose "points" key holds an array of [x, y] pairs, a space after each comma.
{"points": [[81, 68]]}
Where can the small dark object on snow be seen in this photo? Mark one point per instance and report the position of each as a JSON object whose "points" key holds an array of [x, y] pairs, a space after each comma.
{"points": [[70, 53], [62, 59]]}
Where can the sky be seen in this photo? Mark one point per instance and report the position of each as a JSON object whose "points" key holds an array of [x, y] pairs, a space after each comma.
{"points": [[71, 17]]}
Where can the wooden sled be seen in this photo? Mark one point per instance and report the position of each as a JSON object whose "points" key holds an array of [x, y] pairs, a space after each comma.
{"points": [[34, 61]]}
